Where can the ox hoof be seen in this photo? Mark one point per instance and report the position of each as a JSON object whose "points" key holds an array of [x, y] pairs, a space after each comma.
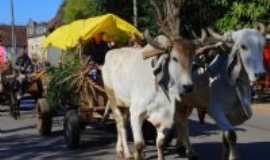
{"points": [[192, 156], [138, 157], [231, 157], [181, 150], [130, 158], [234, 157], [120, 156]]}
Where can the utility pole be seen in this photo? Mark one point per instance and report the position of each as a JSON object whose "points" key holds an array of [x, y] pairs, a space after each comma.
{"points": [[135, 13], [13, 34]]}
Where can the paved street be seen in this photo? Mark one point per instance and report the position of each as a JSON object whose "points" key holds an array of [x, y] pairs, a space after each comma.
{"points": [[19, 140]]}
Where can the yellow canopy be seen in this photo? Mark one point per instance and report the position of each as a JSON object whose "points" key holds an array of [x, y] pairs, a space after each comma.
{"points": [[71, 35]]}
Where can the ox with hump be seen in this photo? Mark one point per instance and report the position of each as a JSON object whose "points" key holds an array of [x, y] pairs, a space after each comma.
{"points": [[225, 94], [144, 84]]}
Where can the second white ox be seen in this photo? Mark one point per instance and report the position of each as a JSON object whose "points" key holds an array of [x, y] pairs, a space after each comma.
{"points": [[131, 84]]}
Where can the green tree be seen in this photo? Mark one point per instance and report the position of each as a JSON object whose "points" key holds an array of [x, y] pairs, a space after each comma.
{"points": [[242, 13], [223, 14], [122, 8], [146, 17], [78, 9], [195, 14]]}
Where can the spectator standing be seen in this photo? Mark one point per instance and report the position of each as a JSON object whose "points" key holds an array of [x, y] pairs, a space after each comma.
{"points": [[3, 54]]}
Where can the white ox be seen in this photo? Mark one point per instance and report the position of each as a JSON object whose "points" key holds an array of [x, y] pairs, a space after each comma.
{"points": [[227, 96], [130, 83]]}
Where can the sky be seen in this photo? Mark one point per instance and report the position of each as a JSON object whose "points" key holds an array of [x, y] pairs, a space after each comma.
{"points": [[37, 10]]}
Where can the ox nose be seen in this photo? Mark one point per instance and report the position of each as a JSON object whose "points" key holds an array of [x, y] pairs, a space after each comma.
{"points": [[188, 88], [260, 76]]}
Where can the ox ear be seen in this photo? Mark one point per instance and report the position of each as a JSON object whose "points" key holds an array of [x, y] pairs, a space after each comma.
{"points": [[267, 36], [261, 28], [234, 66], [149, 51]]}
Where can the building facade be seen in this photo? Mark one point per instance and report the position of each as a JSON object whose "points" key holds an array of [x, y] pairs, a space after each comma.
{"points": [[21, 40], [36, 34]]}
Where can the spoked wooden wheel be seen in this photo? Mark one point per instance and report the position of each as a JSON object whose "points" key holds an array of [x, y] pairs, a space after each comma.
{"points": [[44, 117], [72, 129]]}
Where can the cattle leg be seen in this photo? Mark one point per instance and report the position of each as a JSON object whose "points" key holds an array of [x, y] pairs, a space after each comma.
{"points": [[122, 144], [229, 145], [201, 115], [183, 142], [161, 134], [229, 135], [136, 124]]}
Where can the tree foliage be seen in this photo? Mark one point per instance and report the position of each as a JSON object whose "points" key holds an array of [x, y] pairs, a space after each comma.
{"points": [[224, 14], [124, 9], [242, 13], [78, 9], [195, 14]]}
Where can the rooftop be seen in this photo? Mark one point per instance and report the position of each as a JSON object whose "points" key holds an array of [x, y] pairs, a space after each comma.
{"points": [[21, 40]]}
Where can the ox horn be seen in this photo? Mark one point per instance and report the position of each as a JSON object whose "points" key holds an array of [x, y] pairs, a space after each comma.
{"points": [[226, 37], [267, 36], [215, 34], [151, 41], [268, 29], [261, 28], [203, 35], [199, 40], [155, 46], [208, 47]]}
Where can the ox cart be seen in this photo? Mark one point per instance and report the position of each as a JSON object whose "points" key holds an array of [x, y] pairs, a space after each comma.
{"points": [[79, 92], [8, 88], [11, 84], [87, 105]]}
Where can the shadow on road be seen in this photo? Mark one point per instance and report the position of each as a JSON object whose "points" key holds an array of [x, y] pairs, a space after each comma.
{"points": [[99, 141], [95, 142], [17, 129], [213, 151], [207, 129], [248, 151]]}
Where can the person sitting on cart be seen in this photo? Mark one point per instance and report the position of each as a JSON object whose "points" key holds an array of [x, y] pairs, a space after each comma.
{"points": [[99, 48], [23, 63], [24, 68]]}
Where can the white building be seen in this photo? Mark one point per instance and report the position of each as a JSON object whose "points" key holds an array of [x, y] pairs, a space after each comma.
{"points": [[36, 33]]}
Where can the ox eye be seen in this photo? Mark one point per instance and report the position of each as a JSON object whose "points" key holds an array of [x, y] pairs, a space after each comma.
{"points": [[174, 59], [243, 47]]}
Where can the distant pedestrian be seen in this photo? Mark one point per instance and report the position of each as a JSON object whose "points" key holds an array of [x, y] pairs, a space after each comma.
{"points": [[3, 54], [3, 57]]}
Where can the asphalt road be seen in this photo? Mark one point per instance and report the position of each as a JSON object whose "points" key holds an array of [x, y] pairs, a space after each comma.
{"points": [[19, 140]]}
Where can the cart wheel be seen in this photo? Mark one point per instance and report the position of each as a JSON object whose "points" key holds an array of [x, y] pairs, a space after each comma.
{"points": [[72, 129], [44, 117]]}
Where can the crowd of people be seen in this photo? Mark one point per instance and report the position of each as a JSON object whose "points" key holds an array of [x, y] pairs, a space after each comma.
{"points": [[22, 69]]}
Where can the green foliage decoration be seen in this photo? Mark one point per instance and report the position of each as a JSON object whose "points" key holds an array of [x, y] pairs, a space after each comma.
{"points": [[60, 88]]}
